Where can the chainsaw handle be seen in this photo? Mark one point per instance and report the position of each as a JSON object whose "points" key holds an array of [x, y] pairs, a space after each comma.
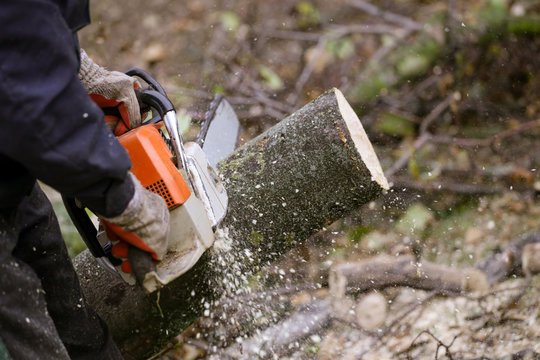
{"points": [[149, 79], [87, 230], [154, 96], [155, 100]]}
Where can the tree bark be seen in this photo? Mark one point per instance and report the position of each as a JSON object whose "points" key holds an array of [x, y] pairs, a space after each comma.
{"points": [[302, 174]]}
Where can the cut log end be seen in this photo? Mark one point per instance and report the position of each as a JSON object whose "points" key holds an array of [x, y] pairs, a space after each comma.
{"points": [[531, 259], [361, 140]]}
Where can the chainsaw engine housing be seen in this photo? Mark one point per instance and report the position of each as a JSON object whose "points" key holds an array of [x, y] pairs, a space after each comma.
{"points": [[190, 231], [152, 165]]}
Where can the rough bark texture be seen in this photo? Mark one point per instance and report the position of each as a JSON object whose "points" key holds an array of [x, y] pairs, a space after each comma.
{"points": [[283, 186]]}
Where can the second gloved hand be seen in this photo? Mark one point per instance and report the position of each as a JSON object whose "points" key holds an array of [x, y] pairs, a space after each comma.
{"points": [[111, 89], [143, 224]]}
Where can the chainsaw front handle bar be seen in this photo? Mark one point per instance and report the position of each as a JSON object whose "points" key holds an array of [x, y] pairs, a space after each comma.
{"points": [[140, 73], [155, 97]]}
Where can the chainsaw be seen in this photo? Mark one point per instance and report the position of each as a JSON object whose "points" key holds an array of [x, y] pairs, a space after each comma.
{"points": [[182, 174]]}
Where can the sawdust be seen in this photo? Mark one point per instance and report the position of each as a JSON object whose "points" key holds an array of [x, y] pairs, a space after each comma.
{"points": [[223, 241]]}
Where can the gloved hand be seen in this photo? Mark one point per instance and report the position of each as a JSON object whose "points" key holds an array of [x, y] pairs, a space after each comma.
{"points": [[111, 89], [143, 224]]}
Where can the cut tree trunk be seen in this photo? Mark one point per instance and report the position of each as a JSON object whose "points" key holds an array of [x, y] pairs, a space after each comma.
{"points": [[309, 170]]}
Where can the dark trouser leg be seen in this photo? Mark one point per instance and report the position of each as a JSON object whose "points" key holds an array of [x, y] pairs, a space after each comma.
{"points": [[41, 246], [26, 329]]}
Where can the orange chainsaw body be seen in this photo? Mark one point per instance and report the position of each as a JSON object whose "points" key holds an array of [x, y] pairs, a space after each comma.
{"points": [[152, 164], [190, 229]]}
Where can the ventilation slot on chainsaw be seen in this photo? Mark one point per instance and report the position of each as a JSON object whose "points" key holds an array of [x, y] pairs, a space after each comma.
{"points": [[160, 188], [152, 165]]}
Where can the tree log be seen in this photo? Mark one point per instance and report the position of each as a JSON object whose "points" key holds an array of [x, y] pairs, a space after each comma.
{"points": [[276, 339], [388, 271], [302, 174], [509, 260]]}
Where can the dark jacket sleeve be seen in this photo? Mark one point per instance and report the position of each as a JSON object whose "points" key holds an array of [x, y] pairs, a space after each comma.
{"points": [[48, 122]]}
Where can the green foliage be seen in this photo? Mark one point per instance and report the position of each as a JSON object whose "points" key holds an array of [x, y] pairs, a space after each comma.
{"points": [[340, 48], [413, 167], [254, 282], [74, 243], [230, 21], [219, 89], [524, 25], [73, 240], [415, 220], [494, 12], [290, 239], [358, 232], [4, 355], [313, 349], [255, 238], [338, 251], [376, 241], [307, 15], [369, 89], [405, 63], [417, 59], [270, 77], [184, 121], [395, 124]]}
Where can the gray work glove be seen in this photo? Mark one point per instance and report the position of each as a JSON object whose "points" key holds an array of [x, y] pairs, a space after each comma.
{"points": [[111, 89], [144, 224]]}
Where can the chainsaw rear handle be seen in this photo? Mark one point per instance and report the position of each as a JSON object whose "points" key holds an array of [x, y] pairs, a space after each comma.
{"points": [[88, 231]]}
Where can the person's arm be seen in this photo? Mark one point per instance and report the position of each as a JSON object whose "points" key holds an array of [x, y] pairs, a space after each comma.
{"points": [[48, 122]]}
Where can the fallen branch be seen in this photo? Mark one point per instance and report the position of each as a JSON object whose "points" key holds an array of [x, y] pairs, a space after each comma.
{"points": [[440, 344], [399, 182], [387, 271], [509, 260], [299, 325], [386, 15], [424, 137], [527, 354], [491, 141]]}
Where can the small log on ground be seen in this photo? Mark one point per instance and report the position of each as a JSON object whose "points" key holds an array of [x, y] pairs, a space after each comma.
{"points": [[387, 271], [530, 259], [509, 260], [277, 339], [304, 173]]}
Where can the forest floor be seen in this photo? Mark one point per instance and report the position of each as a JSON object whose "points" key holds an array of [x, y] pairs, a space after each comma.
{"points": [[449, 93]]}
